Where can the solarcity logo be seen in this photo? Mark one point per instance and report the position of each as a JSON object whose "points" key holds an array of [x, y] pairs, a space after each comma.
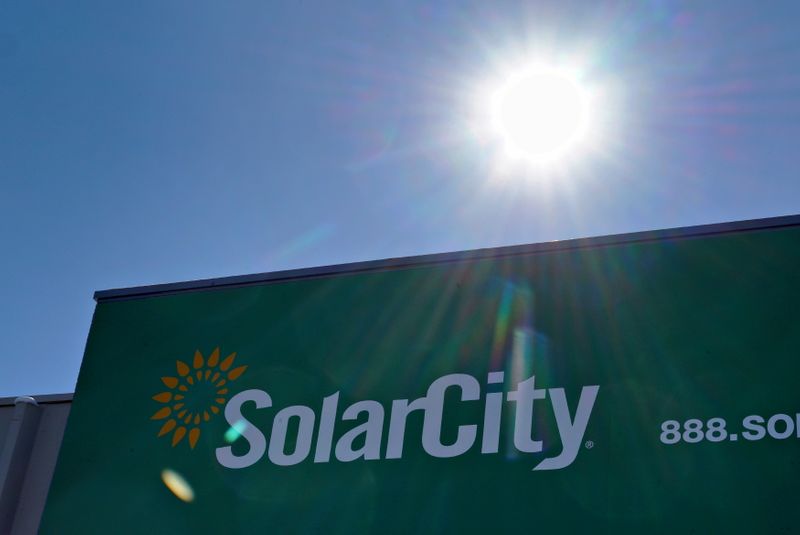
{"points": [[365, 441], [195, 395]]}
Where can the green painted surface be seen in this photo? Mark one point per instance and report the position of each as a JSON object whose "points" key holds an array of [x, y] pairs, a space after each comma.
{"points": [[672, 330]]}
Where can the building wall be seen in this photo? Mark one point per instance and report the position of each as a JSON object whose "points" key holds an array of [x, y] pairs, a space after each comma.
{"points": [[31, 430]]}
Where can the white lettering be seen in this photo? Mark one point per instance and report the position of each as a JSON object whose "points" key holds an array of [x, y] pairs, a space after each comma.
{"points": [[571, 431], [432, 428], [233, 415], [401, 408], [280, 426], [372, 430], [525, 395], [327, 421], [365, 440], [755, 431], [492, 415]]}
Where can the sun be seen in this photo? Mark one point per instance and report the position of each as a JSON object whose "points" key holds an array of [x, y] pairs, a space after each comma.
{"points": [[540, 113], [195, 395], [537, 114]]}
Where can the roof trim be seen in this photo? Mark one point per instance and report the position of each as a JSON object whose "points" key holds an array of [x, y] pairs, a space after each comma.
{"points": [[138, 292], [40, 399]]}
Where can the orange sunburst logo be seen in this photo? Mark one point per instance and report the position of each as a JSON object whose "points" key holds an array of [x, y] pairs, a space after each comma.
{"points": [[195, 395]]}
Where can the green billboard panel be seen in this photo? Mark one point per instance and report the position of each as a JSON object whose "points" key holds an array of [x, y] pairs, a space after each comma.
{"points": [[635, 383]]}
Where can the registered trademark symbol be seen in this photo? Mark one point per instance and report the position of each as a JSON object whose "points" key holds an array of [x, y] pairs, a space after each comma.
{"points": [[589, 444]]}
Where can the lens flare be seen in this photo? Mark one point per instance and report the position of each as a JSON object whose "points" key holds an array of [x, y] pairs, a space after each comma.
{"points": [[235, 431], [177, 485]]}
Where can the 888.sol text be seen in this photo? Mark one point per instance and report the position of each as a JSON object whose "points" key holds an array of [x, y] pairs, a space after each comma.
{"points": [[754, 427]]}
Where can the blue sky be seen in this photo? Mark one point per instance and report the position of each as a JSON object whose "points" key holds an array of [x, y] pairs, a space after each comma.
{"points": [[149, 142]]}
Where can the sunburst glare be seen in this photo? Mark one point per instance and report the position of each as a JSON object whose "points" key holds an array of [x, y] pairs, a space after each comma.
{"points": [[538, 115]]}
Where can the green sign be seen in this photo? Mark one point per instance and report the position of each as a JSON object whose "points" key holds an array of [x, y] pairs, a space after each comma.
{"points": [[629, 384]]}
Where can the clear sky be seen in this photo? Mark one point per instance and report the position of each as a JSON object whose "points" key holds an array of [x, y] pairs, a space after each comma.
{"points": [[150, 142]]}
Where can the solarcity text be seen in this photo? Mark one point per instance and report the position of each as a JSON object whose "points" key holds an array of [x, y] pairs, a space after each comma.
{"points": [[366, 441]]}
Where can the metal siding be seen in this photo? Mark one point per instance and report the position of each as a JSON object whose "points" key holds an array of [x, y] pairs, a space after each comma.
{"points": [[28, 482]]}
